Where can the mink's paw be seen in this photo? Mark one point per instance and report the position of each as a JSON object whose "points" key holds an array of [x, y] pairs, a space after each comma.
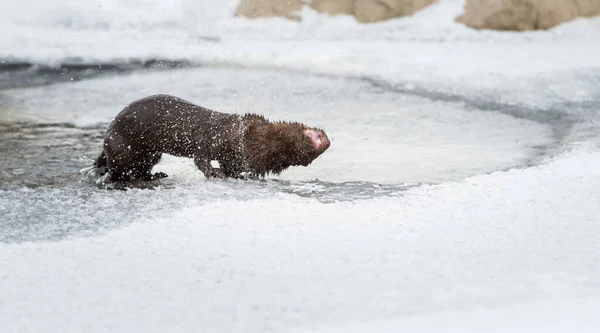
{"points": [[246, 176], [215, 173], [156, 176], [159, 175]]}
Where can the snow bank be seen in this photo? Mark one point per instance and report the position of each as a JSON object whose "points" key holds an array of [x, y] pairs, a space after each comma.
{"points": [[289, 262]]}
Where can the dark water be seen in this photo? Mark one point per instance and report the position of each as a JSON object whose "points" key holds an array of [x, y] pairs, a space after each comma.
{"points": [[22, 74], [44, 155]]}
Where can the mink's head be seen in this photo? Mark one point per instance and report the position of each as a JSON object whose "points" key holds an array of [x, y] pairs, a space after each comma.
{"points": [[272, 147]]}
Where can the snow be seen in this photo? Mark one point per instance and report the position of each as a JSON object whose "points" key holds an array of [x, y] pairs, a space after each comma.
{"points": [[428, 49], [569, 316], [253, 265], [485, 248]]}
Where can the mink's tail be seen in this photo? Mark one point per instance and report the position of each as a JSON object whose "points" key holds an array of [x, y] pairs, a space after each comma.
{"points": [[101, 162]]}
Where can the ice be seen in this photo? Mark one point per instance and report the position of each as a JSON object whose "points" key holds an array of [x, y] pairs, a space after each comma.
{"points": [[467, 199]]}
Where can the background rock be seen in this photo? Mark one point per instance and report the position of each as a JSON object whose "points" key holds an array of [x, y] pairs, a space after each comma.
{"points": [[521, 15], [365, 11], [268, 8], [333, 7]]}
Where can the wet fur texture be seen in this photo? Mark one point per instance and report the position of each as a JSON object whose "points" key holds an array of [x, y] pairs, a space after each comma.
{"points": [[246, 146]]}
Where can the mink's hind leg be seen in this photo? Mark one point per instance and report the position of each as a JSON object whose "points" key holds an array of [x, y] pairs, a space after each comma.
{"points": [[130, 164], [144, 165]]}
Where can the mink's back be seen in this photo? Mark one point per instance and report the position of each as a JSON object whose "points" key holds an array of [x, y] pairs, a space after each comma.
{"points": [[165, 123]]}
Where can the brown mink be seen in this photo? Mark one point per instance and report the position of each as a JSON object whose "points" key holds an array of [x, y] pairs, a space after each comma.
{"points": [[245, 146]]}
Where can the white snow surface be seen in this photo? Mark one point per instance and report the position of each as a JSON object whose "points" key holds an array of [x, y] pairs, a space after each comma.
{"points": [[504, 251], [567, 316], [273, 264]]}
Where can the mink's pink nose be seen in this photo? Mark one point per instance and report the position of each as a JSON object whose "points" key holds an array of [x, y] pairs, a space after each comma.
{"points": [[326, 142], [315, 137]]}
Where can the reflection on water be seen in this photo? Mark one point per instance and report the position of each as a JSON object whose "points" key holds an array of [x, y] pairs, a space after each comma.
{"points": [[49, 155]]}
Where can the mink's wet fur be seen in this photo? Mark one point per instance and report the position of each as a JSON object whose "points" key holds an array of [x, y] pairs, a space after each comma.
{"points": [[246, 146]]}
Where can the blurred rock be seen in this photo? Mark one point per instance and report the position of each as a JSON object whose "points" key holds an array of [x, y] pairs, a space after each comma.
{"points": [[270, 8], [333, 7], [522, 15], [365, 11]]}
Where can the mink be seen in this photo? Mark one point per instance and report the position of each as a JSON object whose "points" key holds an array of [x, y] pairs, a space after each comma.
{"points": [[247, 146]]}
